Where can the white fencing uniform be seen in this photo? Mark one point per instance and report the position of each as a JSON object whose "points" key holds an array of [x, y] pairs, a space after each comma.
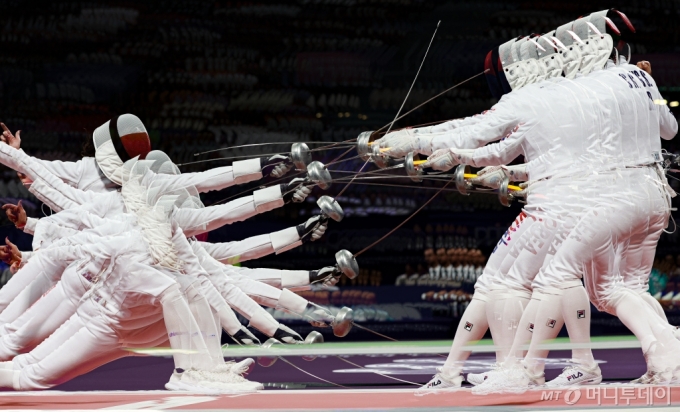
{"points": [[97, 314], [84, 174], [251, 248], [526, 139], [225, 280]]}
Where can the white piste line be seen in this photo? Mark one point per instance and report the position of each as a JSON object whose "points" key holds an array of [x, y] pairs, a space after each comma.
{"points": [[319, 350]]}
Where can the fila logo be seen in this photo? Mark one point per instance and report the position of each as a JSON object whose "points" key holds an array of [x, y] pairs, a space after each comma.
{"points": [[468, 326], [435, 383], [551, 323], [574, 376], [530, 328], [580, 314]]}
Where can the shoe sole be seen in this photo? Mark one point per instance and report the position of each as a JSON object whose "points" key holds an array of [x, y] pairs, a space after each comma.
{"points": [[184, 387], [592, 381], [178, 386]]}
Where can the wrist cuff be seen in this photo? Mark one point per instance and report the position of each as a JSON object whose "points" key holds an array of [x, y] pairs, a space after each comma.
{"points": [[246, 171], [294, 279], [284, 240], [267, 199], [292, 302]]}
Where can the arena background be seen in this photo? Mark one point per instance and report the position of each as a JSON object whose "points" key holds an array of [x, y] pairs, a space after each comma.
{"points": [[204, 75]]}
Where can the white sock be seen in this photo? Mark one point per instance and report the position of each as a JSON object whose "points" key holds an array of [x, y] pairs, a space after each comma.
{"points": [[525, 329], [576, 312], [494, 318], [185, 336], [472, 327], [513, 310], [200, 309], [549, 322]]}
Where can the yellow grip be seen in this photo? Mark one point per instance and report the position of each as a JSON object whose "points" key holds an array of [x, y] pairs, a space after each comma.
{"points": [[468, 175]]}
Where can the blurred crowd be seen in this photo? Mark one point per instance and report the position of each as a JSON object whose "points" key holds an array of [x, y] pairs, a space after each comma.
{"points": [[446, 267], [664, 282]]}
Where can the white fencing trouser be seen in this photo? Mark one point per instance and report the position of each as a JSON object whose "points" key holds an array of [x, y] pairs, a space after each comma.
{"points": [[516, 273], [491, 270], [555, 210], [204, 316], [56, 307], [637, 256], [616, 209], [39, 275], [590, 250], [47, 365], [479, 314], [498, 292], [48, 313], [621, 293], [77, 347]]}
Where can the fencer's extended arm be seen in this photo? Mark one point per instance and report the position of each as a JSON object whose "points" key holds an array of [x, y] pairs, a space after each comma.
{"points": [[54, 198], [251, 248], [31, 223], [457, 123], [46, 186], [279, 278], [197, 221], [242, 171], [70, 225], [69, 172], [499, 153], [494, 127], [486, 128]]}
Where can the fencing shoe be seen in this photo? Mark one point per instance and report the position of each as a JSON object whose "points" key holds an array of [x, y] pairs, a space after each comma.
{"points": [[440, 382], [509, 379], [652, 378], [175, 383], [240, 368], [218, 382], [575, 375], [478, 378]]}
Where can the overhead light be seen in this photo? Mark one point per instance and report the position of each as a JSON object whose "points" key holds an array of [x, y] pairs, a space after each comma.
{"points": [[674, 104]]}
